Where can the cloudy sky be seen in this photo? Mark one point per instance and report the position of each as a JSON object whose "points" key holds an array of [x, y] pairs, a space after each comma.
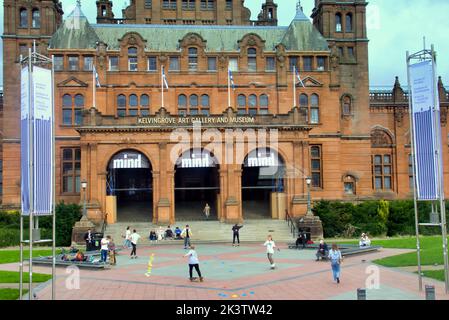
{"points": [[393, 28]]}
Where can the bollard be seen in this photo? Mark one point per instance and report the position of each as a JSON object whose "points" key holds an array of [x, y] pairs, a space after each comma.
{"points": [[430, 292], [361, 294]]}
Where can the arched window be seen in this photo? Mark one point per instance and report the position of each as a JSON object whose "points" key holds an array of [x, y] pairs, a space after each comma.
{"points": [[121, 105], [193, 101], [182, 105], [132, 59], [346, 105], [241, 104], [338, 22], [348, 26], [193, 59], [252, 59], [314, 109], [36, 22], [263, 103], [144, 105], [252, 104], [67, 109], [316, 166], [382, 160], [79, 106], [304, 106], [205, 104], [133, 105], [23, 18], [349, 184]]}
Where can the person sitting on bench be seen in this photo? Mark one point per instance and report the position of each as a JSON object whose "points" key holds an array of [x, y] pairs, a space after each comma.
{"points": [[364, 241], [178, 233], [323, 251], [301, 240], [169, 233]]}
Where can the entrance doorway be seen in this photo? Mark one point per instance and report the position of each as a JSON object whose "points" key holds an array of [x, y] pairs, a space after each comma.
{"points": [[131, 182], [196, 184], [262, 175]]}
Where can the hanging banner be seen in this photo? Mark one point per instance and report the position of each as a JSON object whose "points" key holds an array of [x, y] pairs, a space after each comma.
{"points": [[24, 141], [426, 134]]}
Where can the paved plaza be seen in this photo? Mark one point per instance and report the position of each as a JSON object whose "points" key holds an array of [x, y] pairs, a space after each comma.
{"points": [[240, 273]]}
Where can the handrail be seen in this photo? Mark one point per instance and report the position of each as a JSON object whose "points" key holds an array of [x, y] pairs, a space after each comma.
{"points": [[291, 224]]}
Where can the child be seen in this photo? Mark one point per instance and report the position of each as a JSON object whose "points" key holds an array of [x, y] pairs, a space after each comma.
{"points": [[193, 263], [270, 250]]}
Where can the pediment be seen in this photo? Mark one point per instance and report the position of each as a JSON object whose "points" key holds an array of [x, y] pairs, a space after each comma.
{"points": [[310, 82], [72, 82]]}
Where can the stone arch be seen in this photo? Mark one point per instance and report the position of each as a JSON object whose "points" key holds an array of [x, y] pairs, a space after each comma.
{"points": [[381, 137], [251, 40]]}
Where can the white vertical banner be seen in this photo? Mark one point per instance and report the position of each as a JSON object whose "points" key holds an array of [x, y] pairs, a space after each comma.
{"points": [[426, 130], [43, 141], [24, 140]]}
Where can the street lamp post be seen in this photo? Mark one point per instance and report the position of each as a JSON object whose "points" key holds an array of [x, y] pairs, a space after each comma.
{"points": [[309, 206], [84, 186]]}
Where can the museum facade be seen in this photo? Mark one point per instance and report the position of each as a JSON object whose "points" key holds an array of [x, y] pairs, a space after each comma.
{"points": [[180, 104]]}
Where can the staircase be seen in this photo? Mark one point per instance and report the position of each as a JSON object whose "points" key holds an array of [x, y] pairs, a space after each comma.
{"points": [[210, 231]]}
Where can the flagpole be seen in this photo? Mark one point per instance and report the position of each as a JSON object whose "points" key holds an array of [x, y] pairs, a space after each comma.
{"points": [[94, 89], [294, 86], [162, 86], [229, 89]]}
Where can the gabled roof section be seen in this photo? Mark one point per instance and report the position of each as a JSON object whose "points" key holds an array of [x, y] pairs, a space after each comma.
{"points": [[74, 33], [72, 82]]}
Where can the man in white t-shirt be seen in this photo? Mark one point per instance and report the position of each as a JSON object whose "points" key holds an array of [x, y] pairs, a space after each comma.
{"points": [[193, 263], [104, 249], [134, 239]]}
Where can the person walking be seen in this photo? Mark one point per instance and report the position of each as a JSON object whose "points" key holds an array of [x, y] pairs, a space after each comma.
{"points": [[193, 263], [104, 249], [88, 237], [270, 250], [186, 234], [206, 211], [134, 239], [111, 250], [235, 234], [127, 236], [335, 258]]}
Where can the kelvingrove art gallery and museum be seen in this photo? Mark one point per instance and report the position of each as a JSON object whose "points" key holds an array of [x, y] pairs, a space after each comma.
{"points": [[186, 102]]}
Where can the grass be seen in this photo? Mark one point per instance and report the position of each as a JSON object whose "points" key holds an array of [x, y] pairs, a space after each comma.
{"points": [[11, 294], [14, 277], [434, 274], [10, 256]]}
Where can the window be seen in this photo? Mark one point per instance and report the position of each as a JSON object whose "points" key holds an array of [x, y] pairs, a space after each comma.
{"points": [[205, 105], [382, 172], [207, 4], [71, 170], [174, 64], [23, 50], [193, 59], [315, 166], [233, 64], [182, 105], [252, 105], [304, 106], [314, 109], [193, 104], [188, 4], [72, 110], [293, 63], [351, 52], [36, 18], [346, 106], [23, 18], [144, 105], [270, 64], [349, 185], [307, 63], [73, 63], [148, 4], [263, 103], [252, 59], [79, 106], [341, 52], [88, 63], [348, 27], [410, 172], [132, 59], [133, 105], [67, 109], [113, 63], [169, 4], [121, 105], [212, 64], [241, 103], [338, 22], [321, 63], [228, 4], [152, 64]]}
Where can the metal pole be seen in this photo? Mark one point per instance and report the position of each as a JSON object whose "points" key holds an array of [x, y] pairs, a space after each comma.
{"points": [[31, 174], [440, 172], [294, 86], [53, 151], [415, 200], [21, 257], [162, 85], [309, 205]]}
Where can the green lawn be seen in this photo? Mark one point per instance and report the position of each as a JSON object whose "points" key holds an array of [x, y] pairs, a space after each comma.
{"points": [[11, 294], [13, 277], [10, 256], [435, 274]]}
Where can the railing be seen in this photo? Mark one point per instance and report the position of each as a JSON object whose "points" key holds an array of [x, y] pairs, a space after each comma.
{"points": [[291, 224], [381, 96]]}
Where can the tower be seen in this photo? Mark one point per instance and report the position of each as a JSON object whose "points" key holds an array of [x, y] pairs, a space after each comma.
{"points": [[104, 11], [268, 16], [26, 23]]}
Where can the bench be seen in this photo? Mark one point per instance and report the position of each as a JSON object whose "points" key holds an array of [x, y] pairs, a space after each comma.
{"points": [[346, 249]]}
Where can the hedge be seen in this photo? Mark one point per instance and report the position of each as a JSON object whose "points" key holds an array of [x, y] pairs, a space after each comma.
{"points": [[66, 217], [390, 218]]}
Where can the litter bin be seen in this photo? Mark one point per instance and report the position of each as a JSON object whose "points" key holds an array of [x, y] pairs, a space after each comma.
{"points": [[96, 245]]}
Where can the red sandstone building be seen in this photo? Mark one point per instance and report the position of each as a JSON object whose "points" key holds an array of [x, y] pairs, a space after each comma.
{"points": [[124, 143]]}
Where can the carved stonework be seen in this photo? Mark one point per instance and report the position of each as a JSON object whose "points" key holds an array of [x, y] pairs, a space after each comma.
{"points": [[222, 62], [380, 139], [251, 40], [193, 39], [443, 116], [399, 116], [280, 55]]}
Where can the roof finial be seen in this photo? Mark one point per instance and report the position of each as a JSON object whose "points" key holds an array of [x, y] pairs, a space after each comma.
{"points": [[298, 7], [78, 3]]}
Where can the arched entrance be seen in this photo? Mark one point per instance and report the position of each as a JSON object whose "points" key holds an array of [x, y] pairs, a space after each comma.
{"points": [[130, 180], [262, 175], [196, 184]]}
